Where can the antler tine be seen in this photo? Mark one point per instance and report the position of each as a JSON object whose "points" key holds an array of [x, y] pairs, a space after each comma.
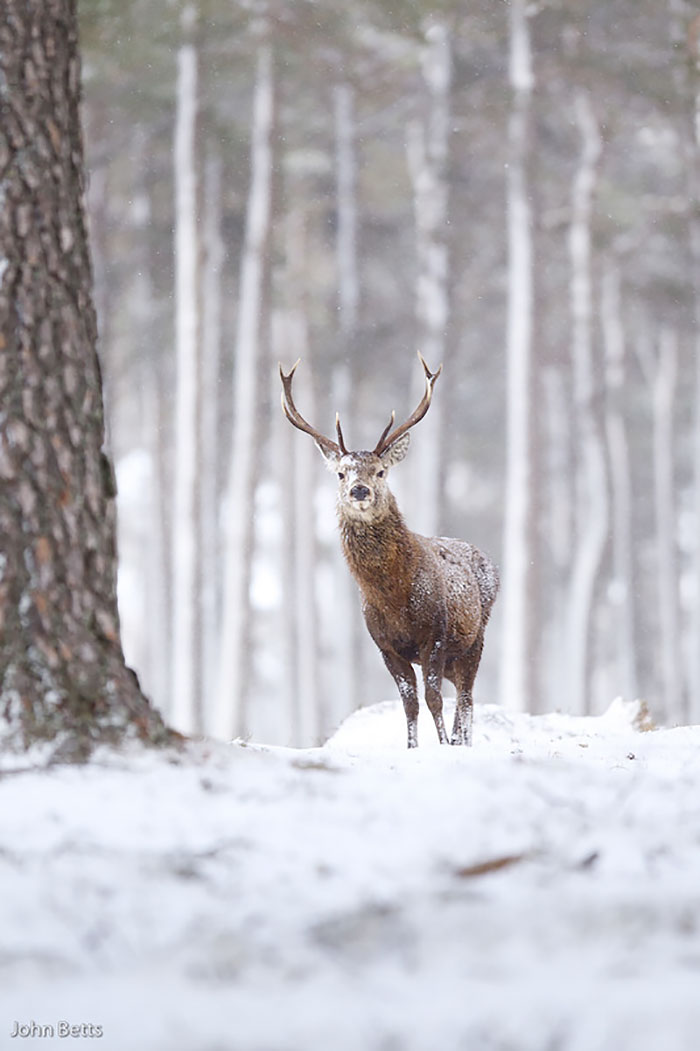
{"points": [[341, 441], [387, 439], [390, 424], [294, 416]]}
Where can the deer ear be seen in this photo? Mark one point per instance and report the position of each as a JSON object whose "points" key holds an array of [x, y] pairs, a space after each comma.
{"points": [[328, 455], [396, 452]]}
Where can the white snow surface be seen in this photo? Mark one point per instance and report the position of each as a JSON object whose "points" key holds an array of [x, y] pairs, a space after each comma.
{"points": [[538, 892]]}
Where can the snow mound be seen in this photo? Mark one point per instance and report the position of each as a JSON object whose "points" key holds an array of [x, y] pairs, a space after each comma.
{"points": [[540, 890], [381, 728]]}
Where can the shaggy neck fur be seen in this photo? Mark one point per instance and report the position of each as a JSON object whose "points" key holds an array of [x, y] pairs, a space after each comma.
{"points": [[378, 550]]}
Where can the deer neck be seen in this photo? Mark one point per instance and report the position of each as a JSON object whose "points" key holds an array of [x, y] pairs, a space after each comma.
{"points": [[379, 551]]}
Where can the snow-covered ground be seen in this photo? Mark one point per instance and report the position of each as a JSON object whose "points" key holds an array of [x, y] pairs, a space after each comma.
{"points": [[539, 892]]}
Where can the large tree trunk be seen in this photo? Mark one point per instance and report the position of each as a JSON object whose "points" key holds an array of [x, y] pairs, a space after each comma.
{"points": [[185, 699], [234, 663], [518, 541], [62, 673]]}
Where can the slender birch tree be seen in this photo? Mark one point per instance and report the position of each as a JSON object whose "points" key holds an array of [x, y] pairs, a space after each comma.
{"points": [[591, 499], [664, 392], [691, 38], [302, 463], [622, 583], [231, 717], [518, 540], [152, 632], [557, 528], [186, 699], [660, 366], [344, 694], [428, 155], [209, 458]]}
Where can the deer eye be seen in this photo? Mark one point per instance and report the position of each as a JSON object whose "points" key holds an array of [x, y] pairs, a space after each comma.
{"points": [[380, 474], [341, 475]]}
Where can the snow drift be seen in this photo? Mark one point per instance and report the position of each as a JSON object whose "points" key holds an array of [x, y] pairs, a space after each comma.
{"points": [[539, 891]]}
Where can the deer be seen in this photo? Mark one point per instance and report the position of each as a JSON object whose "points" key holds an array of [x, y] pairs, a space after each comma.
{"points": [[425, 600]]}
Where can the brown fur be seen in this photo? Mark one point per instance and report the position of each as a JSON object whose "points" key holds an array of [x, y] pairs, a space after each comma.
{"points": [[426, 600]]}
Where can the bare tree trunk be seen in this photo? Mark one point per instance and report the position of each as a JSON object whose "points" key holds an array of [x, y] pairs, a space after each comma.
{"points": [[518, 540], [289, 724], [343, 695], [592, 496], [693, 168], [185, 704], [428, 154], [622, 584], [346, 193], [209, 431], [309, 715], [63, 680], [663, 381], [142, 533], [157, 575], [234, 659], [558, 526]]}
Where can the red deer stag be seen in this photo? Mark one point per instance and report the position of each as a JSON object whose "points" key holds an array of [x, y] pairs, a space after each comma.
{"points": [[426, 600]]}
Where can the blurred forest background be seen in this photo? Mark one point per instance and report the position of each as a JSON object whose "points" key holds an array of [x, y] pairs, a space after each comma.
{"points": [[511, 188]]}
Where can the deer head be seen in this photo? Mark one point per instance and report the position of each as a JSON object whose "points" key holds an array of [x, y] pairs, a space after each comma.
{"points": [[362, 475]]}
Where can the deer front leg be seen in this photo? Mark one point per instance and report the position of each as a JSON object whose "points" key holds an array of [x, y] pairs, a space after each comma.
{"points": [[405, 679], [433, 669]]}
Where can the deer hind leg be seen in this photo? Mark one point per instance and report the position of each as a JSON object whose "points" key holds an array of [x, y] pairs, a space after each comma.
{"points": [[464, 676], [405, 679], [433, 670]]}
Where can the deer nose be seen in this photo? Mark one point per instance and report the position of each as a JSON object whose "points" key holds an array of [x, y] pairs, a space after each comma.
{"points": [[359, 492]]}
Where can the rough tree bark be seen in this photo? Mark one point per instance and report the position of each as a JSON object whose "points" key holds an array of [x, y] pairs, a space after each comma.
{"points": [[63, 680], [518, 541]]}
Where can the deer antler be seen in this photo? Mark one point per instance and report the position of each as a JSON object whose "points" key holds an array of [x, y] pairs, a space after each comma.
{"points": [[388, 436], [327, 445]]}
